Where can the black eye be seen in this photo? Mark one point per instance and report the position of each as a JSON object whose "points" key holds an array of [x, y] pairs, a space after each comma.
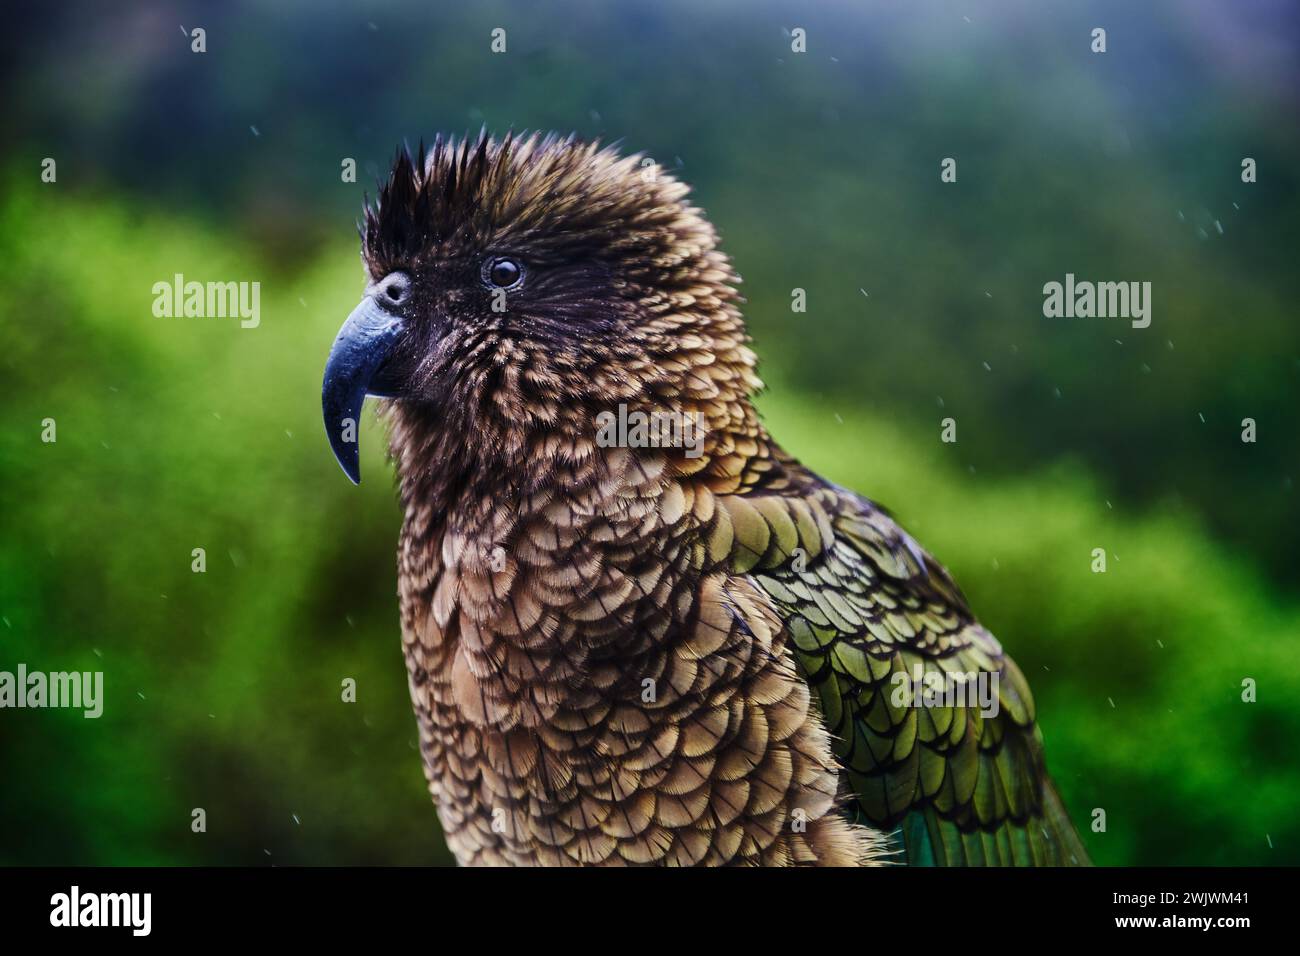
{"points": [[504, 273]]}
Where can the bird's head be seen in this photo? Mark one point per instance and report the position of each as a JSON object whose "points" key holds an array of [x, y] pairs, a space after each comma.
{"points": [[517, 288]]}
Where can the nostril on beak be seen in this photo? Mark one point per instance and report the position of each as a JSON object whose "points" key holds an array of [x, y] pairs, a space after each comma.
{"points": [[396, 289], [393, 289]]}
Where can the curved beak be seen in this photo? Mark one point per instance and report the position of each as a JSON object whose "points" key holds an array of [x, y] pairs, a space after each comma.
{"points": [[353, 371]]}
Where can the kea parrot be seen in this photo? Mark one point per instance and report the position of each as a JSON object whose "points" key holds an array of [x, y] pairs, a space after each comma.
{"points": [[674, 645]]}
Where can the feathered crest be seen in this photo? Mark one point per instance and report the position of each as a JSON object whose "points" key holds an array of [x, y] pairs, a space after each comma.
{"points": [[481, 187]]}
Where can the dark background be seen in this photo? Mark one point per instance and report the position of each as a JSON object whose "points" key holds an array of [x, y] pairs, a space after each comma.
{"points": [[821, 171]]}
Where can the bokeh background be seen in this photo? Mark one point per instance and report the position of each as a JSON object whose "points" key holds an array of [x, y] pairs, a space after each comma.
{"points": [[821, 171]]}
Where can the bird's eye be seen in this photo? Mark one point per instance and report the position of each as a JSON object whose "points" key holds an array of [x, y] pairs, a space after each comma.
{"points": [[504, 273], [395, 289]]}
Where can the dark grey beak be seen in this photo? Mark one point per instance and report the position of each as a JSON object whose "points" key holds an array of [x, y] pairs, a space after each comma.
{"points": [[353, 371]]}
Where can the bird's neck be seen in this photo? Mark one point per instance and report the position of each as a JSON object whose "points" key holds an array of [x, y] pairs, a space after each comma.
{"points": [[460, 470], [541, 534], [530, 526]]}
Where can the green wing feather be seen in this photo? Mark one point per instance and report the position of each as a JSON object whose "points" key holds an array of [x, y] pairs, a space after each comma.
{"points": [[864, 603]]}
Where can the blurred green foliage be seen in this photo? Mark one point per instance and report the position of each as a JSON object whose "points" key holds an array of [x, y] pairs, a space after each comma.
{"points": [[821, 171], [223, 689]]}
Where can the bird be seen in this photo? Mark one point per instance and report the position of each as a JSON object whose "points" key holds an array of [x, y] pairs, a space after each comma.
{"points": [[628, 651]]}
